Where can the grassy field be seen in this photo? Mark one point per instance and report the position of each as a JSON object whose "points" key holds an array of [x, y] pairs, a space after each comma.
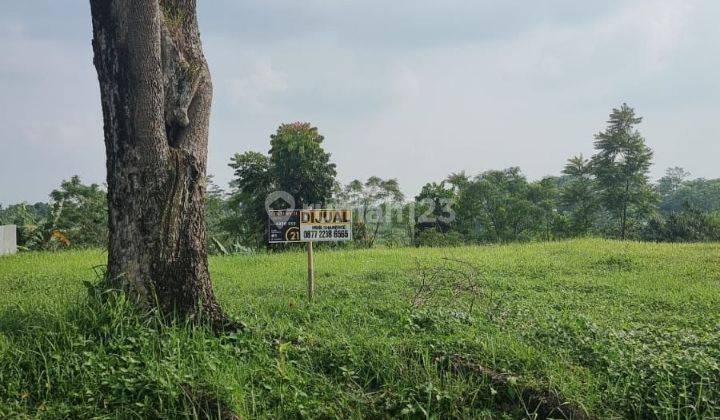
{"points": [[617, 329]]}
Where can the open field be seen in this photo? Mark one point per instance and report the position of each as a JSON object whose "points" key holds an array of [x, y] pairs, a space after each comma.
{"points": [[617, 329]]}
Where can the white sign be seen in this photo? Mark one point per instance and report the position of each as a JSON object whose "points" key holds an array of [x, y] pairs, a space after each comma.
{"points": [[325, 225], [8, 239]]}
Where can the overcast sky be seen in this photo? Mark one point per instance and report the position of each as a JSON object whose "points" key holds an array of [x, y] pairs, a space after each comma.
{"points": [[411, 89]]}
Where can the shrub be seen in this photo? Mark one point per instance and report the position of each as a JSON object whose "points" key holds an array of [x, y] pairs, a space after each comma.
{"points": [[688, 225], [435, 238]]}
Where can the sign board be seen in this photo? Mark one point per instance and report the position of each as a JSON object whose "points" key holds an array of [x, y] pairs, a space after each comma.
{"points": [[8, 239], [325, 225], [284, 226], [310, 226]]}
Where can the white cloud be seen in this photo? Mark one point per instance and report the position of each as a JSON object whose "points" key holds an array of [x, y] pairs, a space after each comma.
{"points": [[10, 28], [407, 86], [658, 26], [259, 87]]}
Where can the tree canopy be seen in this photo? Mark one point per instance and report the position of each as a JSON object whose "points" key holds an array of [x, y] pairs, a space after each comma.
{"points": [[621, 165]]}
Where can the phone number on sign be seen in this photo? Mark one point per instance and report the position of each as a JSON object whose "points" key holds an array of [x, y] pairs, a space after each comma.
{"points": [[325, 234]]}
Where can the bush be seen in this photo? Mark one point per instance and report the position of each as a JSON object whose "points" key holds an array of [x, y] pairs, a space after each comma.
{"points": [[688, 225], [436, 238]]}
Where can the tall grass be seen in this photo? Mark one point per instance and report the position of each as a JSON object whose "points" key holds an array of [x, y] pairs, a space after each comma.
{"points": [[104, 359]]}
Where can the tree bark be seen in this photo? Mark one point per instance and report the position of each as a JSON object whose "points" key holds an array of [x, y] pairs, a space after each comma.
{"points": [[623, 218], [156, 92]]}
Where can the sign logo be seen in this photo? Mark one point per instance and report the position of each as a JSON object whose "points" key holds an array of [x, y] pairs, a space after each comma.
{"points": [[273, 198]]}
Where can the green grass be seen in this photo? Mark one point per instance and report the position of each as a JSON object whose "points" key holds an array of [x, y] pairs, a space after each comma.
{"points": [[621, 329]]}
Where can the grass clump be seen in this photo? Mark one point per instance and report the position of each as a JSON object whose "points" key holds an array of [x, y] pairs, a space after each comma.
{"points": [[94, 358]]}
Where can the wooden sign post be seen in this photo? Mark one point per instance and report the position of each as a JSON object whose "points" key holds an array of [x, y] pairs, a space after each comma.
{"points": [[311, 272], [310, 226]]}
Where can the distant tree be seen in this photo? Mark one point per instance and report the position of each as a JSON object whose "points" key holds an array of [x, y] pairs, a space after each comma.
{"points": [[458, 180], [434, 208], [543, 194], [373, 202], [621, 165], [677, 192], [76, 216], [13, 213], [672, 181], [217, 211], [80, 213], [253, 182], [687, 225], [577, 195], [31, 221], [501, 206], [299, 164]]}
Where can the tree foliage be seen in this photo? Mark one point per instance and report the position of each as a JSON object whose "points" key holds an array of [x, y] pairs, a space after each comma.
{"points": [[30, 220], [433, 208], [687, 225], [621, 165], [75, 217], [677, 191], [253, 182], [578, 195], [299, 165], [373, 202], [502, 206], [80, 213]]}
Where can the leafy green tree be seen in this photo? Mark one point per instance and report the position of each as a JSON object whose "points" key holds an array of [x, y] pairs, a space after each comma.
{"points": [[502, 206], [458, 180], [76, 216], [687, 225], [30, 220], [80, 213], [299, 164], [373, 202], [677, 192], [544, 195], [672, 181], [577, 195], [621, 165], [434, 209], [217, 212], [253, 182]]}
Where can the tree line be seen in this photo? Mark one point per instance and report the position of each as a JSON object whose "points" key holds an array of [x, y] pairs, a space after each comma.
{"points": [[608, 194]]}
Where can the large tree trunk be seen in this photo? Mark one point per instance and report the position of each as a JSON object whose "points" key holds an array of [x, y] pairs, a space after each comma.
{"points": [[156, 93]]}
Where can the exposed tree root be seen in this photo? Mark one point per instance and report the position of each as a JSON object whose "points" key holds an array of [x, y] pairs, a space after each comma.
{"points": [[543, 403], [226, 324]]}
